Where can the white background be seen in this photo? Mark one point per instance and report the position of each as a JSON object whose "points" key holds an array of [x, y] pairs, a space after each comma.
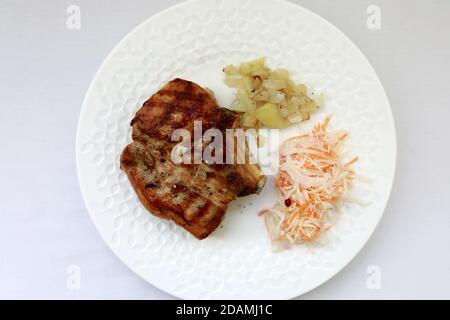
{"points": [[45, 70]]}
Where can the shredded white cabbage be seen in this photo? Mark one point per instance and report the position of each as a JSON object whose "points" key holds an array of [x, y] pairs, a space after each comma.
{"points": [[311, 179]]}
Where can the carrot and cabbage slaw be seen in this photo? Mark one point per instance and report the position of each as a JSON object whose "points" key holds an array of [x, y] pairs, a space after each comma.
{"points": [[312, 178]]}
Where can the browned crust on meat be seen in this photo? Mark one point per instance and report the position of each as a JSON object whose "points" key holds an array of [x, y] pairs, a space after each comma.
{"points": [[175, 192], [162, 207]]}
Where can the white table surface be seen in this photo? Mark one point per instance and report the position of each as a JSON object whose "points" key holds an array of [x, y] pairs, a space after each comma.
{"points": [[45, 70]]}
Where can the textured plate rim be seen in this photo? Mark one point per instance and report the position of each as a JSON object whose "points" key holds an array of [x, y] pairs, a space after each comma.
{"points": [[281, 2]]}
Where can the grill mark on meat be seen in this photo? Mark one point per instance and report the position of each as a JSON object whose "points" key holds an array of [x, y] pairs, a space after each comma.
{"points": [[200, 213], [173, 191]]}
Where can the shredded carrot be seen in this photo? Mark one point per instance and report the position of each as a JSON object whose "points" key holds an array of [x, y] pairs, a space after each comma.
{"points": [[313, 177]]}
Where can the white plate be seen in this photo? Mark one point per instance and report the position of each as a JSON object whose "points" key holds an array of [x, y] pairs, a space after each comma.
{"points": [[195, 40]]}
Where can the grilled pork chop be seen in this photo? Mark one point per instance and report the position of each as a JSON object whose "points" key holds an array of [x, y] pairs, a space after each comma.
{"points": [[194, 196]]}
